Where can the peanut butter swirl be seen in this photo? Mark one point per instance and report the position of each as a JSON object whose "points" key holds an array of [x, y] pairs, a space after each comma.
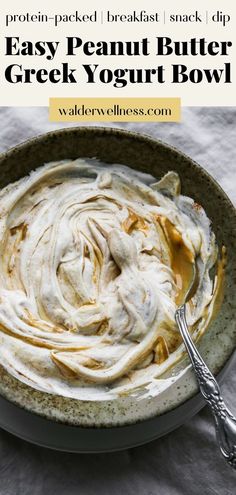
{"points": [[94, 260]]}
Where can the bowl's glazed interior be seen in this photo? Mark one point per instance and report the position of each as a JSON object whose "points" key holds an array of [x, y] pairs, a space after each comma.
{"points": [[151, 156]]}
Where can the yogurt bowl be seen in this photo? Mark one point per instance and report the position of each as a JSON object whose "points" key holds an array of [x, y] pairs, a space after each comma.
{"points": [[137, 417]]}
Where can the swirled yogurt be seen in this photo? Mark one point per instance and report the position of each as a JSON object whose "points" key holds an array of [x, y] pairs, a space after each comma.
{"points": [[94, 260]]}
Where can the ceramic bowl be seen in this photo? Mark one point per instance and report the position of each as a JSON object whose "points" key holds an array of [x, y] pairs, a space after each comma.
{"points": [[58, 423]]}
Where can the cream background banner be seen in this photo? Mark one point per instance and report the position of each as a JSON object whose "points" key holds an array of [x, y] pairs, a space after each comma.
{"points": [[36, 94]]}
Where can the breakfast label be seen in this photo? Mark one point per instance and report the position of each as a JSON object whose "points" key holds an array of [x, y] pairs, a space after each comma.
{"points": [[181, 51]]}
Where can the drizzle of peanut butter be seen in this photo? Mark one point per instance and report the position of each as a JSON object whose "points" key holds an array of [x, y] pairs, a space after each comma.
{"points": [[161, 352], [22, 228], [181, 258], [134, 221]]}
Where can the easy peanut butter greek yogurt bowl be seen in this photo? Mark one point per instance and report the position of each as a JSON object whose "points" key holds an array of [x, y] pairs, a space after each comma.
{"points": [[99, 231]]}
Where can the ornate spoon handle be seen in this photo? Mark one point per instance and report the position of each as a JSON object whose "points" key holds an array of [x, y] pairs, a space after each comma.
{"points": [[225, 422]]}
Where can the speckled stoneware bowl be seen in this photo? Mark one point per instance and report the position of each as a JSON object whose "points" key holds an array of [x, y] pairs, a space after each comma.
{"points": [[74, 425]]}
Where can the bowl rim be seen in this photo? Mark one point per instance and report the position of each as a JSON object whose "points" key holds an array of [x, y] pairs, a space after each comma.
{"points": [[142, 137]]}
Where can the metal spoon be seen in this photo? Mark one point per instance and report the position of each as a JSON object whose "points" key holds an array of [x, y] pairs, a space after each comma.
{"points": [[225, 422]]}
